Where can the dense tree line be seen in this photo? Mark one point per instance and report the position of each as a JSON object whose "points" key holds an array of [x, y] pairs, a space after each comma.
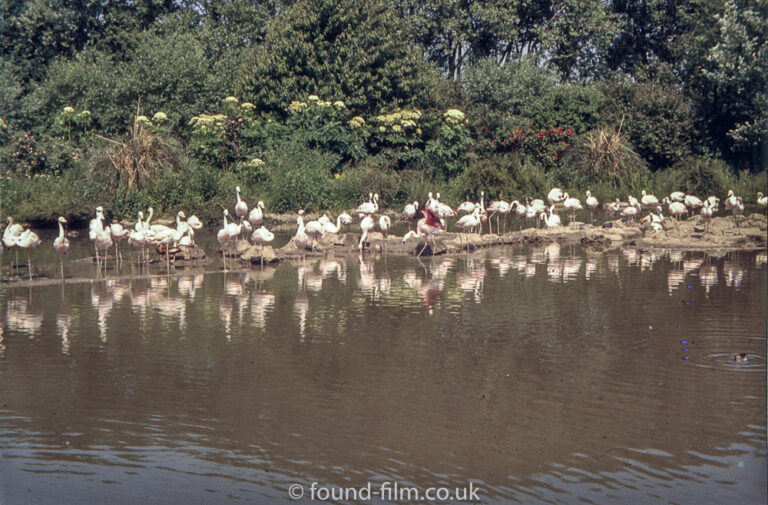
{"points": [[675, 85]]}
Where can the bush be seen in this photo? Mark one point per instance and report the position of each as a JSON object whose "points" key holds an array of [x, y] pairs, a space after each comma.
{"points": [[606, 155], [299, 178]]}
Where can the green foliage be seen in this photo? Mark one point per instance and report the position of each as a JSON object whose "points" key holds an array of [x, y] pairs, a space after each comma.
{"points": [[494, 175], [545, 148], [449, 152], [501, 96], [577, 107], [735, 81], [657, 120], [299, 178], [702, 176], [357, 52], [606, 156], [352, 187]]}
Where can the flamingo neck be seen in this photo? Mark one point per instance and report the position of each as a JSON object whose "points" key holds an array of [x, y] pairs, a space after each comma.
{"points": [[61, 230]]}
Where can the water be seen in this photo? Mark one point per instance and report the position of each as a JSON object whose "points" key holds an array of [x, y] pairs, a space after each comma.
{"points": [[538, 374]]}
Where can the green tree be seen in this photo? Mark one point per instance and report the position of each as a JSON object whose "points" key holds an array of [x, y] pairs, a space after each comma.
{"points": [[357, 52], [735, 83]]}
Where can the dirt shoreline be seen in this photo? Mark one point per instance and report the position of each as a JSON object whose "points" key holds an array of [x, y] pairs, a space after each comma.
{"points": [[722, 236]]}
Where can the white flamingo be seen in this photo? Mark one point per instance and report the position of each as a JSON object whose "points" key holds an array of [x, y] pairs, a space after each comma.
{"points": [[11, 235], [315, 231], [226, 235], [677, 196], [256, 217], [61, 244], [762, 200], [498, 208], [693, 202], [614, 206], [384, 224], [737, 210], [342, 219], [366, 225], [572, 204], [631, 211], [118, 233], [300, 240], [428, 226], [241, 208], [592, 204], [676, 209], [550, 217], [649, 200], [555, 195], [369, 207], [468, 222], [28, 240], [262, 236], [706, 213]]}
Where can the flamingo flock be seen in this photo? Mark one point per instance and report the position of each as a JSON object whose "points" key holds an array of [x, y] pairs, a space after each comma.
{"points": [[427, 222]]}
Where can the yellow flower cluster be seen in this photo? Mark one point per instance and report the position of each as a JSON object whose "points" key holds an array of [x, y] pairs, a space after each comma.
{"points": [[3, 124], [143, 119], [230, 99], [297, 106], [247, 105], [400, 120], [205, 122], [454, 116], [69, 110], [255, 163], [339, 104], [159, 117], [357, 122]]}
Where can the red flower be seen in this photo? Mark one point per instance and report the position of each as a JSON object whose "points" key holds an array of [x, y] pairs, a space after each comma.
{"points": [[569, 132], [541, 135]]}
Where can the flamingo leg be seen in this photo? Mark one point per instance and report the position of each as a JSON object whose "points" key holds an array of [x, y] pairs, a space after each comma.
{"points": [[29, 266], [61, 265]]}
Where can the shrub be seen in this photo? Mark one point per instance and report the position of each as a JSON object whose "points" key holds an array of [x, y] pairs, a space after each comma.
{"points": [[299, 178]]}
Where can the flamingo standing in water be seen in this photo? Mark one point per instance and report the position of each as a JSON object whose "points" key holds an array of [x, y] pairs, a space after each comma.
{"points": [[572, 204], [241, 208], [118, 233], [706, 213], [61, 244], [226, 235], [366, 225], [261, 236], [28, 240], [256, 217], [11, 234], [300, 240], [468, 222], [384, 224], [592, 204], [102, 241], [428, 226]]}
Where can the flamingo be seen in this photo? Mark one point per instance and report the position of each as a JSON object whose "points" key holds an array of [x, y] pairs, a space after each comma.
{"points": [[225, 235], [550, 217], [61, 244], [762, 200], [631, 210], [261, 236], [468, 222], [194, 224], [369, 207], [118, 234], [555, 195], [444, 211], [706, 213], [366, 225], [466, 207], [592, 204], [675, 208], [102, 241], [241, 208], [28, 240], [572, 204], [257, 214], [430, 226], [300, 240], [342, 219], [653, 220], [11, 235], [692, 202], [614, 206], [649, 200], [738, 209], [314, 230], [410, 210], [384, 224], [677, 196], [498, 208]]}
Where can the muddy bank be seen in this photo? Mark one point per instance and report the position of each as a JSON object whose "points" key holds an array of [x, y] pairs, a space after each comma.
{"points": [[719, 234]]}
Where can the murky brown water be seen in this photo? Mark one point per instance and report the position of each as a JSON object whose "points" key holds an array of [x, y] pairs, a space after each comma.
{"points": [[540, 375]]}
